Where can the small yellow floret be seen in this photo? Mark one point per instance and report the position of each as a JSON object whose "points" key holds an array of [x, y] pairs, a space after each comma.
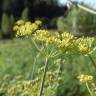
{"points": [[20, 22], [15, 28], [38, 22], [85, 78]]}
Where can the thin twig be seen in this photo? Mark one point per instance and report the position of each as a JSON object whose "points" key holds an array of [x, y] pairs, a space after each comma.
{"points": [[36, 46]]}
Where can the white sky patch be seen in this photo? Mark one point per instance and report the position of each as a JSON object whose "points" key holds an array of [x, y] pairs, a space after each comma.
{"points": [[62, 2], [90, 3]]}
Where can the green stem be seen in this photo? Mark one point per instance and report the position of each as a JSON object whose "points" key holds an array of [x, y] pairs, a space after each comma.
{"points": [[36, 46], [60, 67], [33, 68], [89, 89], [34, 63], [93, 62], [43, 78], [61, 59]]}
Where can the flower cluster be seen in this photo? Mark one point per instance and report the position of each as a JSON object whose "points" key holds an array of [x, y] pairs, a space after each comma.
{"points": [[26, 28], [65, 41], [85, 45], [38, 22], [18, 86], [85, 78], [41, 35]]}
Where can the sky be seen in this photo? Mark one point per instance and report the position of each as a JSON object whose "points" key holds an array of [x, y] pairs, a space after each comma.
{"points": [[90, 3]]}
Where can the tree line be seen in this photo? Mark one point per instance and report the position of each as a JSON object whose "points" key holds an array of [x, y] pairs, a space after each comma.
{"points": [[12, 10], [54, 16]]}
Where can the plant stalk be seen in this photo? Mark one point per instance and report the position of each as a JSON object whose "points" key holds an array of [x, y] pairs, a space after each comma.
{"points": [[43, 78], [93, 62], [89, 89], [34, 64]]}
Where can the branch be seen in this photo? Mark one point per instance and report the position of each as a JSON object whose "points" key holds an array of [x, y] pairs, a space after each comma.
{"points": [[82, 7], [87, 9]]}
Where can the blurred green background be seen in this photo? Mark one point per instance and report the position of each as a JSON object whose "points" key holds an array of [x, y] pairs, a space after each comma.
{"points": [[17, 59]]}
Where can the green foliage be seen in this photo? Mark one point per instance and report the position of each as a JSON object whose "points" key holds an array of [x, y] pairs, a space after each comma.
{"points": [[6, 5], [16, 74], [78, 21], [12, 22], [25, 14], [7, 24], [17, 62], [12, 19], [60, 24]]}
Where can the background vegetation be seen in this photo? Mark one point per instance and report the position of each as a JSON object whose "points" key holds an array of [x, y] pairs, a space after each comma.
{"points": [[17, 60]]}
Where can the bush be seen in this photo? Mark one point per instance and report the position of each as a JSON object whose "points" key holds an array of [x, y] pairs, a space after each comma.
{"points": [[25, 14], [7, 25]]}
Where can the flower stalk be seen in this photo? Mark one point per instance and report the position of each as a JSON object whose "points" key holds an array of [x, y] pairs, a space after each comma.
{"points": [[43, 78], [89, 89], [93, 62]]}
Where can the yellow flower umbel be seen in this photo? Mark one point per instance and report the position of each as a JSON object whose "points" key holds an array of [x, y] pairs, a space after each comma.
{"points": [[85, 45], [85, 78], [38, 22], [52, 39], [66, 42], [25, 28], [41, 35], [20, 22]]}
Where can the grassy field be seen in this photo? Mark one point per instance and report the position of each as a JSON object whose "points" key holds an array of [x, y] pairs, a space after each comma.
{"points": [[17, 59], [16, 56]]}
